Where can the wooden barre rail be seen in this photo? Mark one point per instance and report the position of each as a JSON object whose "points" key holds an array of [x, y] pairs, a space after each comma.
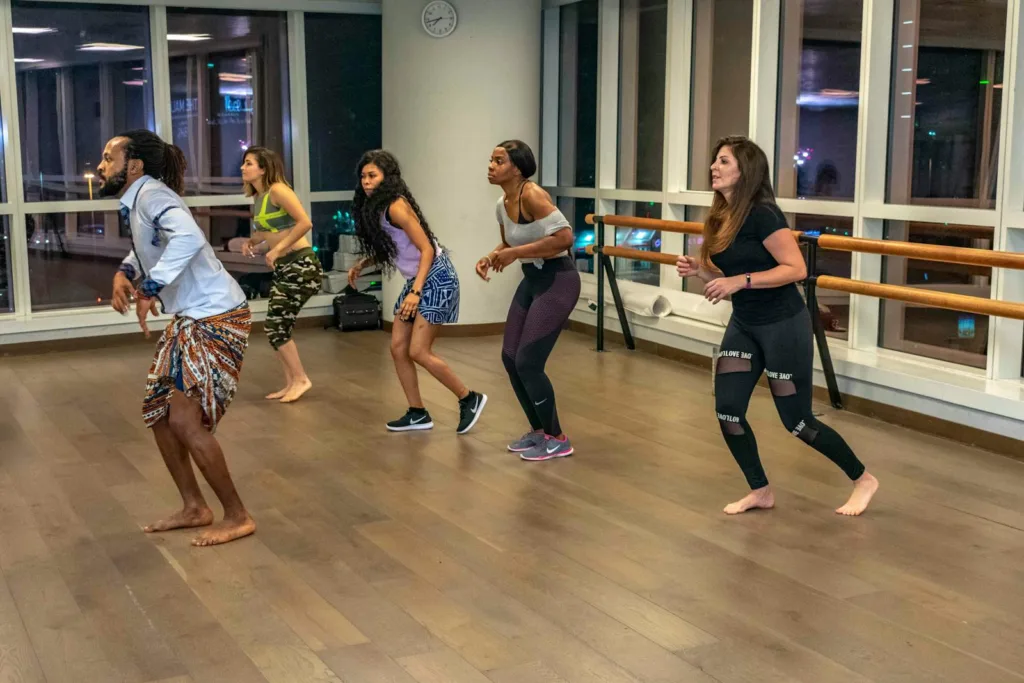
{"points": [[955, 302], [923, 252]]}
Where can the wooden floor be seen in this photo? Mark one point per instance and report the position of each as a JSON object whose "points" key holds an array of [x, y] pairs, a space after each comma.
{"points": [[442, 559]]}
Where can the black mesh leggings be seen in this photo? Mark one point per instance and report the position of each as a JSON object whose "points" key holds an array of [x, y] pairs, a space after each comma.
{"points": [[784, 349], [539, 310]]}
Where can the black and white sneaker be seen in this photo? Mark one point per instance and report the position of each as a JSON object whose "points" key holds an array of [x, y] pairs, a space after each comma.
{"points": [[470, 410], [416, 419]]}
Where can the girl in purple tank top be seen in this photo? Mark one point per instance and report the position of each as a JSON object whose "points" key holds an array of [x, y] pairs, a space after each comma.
{"points": [[394, 235]]}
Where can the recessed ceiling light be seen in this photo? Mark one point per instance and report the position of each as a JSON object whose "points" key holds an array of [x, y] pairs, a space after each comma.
{"points": [[134, 83], [235, 78], [27, 60], [108, 47], [32, 31], [188, 37]]}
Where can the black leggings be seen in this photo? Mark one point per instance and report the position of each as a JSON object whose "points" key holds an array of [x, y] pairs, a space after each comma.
{"points": [[539, 310], [786, 350]]}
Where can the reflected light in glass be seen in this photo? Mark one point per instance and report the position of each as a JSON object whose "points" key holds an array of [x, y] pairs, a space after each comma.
{"points": [[108, 47], [32, 31]]}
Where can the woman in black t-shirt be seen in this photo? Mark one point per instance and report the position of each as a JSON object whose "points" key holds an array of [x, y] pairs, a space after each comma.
{"points": [[749, 253]]}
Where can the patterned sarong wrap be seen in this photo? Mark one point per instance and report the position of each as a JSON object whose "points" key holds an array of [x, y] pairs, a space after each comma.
{"points": [[201, 358]]}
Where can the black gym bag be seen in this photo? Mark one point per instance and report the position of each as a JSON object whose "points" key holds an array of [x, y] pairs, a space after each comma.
{"points": [[355, 310]]}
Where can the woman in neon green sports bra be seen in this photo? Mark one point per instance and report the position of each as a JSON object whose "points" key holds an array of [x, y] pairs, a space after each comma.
{"points": [[279, 229]]}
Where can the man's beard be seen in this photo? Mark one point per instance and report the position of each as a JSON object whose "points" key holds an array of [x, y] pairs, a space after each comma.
{"points": [[113, 185]]}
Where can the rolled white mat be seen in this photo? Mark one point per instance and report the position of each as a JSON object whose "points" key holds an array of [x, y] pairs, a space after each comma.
{"points": [[648, 304]]}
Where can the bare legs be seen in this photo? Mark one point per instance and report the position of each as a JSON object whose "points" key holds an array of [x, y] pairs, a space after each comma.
{"points": [[178, 435], [412, 345], [297, 382]]}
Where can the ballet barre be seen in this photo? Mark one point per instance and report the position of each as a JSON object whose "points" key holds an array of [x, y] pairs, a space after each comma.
{"points": [[925, 252]]}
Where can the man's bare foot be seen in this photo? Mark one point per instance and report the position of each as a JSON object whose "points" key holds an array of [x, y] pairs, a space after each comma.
{"points": [[296, 390], [863, 491], [189, 518], [278, 394], [762, 498], [226, 531]]}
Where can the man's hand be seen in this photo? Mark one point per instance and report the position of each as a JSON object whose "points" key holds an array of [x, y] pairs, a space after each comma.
{"points": [[122, 296], [143, 308]]}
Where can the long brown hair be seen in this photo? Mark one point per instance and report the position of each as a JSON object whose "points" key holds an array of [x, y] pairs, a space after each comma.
{"points": [[754, 187], [271, 164]]}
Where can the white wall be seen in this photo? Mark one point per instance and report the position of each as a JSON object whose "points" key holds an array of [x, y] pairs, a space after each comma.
{"points": [[447, 103]]}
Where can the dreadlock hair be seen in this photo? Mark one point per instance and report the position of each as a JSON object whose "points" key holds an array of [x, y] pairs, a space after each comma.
{"points": [[161, 160], [374, 242]]}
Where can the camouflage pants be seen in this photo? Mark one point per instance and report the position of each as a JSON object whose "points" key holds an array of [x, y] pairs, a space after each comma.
{"points": [[297, 277]]}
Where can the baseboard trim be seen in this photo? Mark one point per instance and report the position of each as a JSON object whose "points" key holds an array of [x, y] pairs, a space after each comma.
{"points": [[479, 330], [970, 436]]}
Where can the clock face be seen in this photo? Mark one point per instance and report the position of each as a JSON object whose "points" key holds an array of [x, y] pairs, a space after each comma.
{"points": [[439, 19]]}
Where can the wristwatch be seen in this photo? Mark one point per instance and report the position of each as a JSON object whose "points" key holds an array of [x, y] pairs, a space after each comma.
{"points": [[748, 281]]}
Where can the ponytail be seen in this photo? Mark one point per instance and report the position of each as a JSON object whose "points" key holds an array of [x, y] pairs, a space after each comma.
{"points": [[161, 160], [174, 168]]}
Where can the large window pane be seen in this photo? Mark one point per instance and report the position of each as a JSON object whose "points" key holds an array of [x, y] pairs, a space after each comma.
{"points": [[83, 75], [834, 307], [576, 210], [935, 332], [638, 238], [642, 57], [72, 258], [334, 230], [229, 90], [819, 83], [6, 276], [946, 95], [343, 82], [720, 93], [577, 94]]}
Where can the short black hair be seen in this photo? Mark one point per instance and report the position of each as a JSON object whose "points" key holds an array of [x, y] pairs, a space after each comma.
{"points": [[521, 156]]}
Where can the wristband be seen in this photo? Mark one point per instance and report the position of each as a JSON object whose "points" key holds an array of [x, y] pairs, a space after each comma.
{"points": [[419, 294], [748, 281]]}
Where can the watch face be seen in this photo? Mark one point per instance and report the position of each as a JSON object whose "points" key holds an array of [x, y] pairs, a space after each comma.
{"points": [[439, 18]]}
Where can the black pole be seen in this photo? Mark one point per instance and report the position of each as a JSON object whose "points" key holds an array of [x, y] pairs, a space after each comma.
{"points": [[619, 308], [599, 238], [811, 294]]}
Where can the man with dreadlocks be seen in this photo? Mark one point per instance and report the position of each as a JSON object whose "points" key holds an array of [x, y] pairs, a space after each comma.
{"points": [[394, 235], [199, 357]]}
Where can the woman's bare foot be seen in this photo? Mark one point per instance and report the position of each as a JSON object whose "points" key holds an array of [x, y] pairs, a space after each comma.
{"points": [[278, 394], [189, 518], [863, 491], [761, 498], [296, 390], [226, 531]]}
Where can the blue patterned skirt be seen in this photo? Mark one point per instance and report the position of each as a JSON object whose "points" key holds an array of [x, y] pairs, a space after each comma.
{"points": [[439, 304]]}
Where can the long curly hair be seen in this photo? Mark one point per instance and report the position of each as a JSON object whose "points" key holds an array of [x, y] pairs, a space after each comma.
{"points": [[374, 242]]}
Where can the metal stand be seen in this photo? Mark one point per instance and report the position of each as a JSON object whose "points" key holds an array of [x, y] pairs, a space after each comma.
{"points": [[810, 292], [604, 265]]}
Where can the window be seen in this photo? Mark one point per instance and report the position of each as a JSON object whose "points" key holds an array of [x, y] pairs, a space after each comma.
{"points": [[638, 238], [720, 94], [818, 98], [577, 94], [643, 26], [936, 332], [343, 85], [229, 90], [834, 307], [945, 103], [72, 258], [6, 276], [83, 75], [576, 210], [334, 235]]}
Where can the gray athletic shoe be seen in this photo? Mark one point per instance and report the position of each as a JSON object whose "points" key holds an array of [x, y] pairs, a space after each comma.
{"points": [[526, 442], [548, 449]]}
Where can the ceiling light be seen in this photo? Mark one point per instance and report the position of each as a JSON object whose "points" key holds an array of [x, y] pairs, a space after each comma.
{"points": [[134, 83], [27, 60], [235, 78], [188, 37], [108, 47], [32, 31]]}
